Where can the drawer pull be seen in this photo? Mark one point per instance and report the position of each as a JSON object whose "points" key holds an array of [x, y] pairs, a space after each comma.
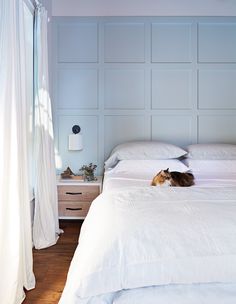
{"points": [[73, 209], [74, 193]]}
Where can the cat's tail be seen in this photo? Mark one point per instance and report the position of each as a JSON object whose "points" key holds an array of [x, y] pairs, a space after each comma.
{"points": [[190, 174]]}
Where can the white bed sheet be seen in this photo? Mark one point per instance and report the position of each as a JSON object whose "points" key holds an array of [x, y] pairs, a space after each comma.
{"points": [[217, 293], [117, 180], [210, 293], [179, 294]]}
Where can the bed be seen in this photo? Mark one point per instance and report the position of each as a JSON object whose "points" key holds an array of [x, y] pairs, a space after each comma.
{"points": [[143, 244]]}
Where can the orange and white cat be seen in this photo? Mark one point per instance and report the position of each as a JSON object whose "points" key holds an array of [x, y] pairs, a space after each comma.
{"points": [[174, 179]]}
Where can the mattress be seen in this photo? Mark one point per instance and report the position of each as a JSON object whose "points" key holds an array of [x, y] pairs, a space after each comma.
{"points": [[117, 223]]}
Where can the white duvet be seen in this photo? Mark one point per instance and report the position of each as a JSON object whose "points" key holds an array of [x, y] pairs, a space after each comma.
{"points": [[151, 236]]}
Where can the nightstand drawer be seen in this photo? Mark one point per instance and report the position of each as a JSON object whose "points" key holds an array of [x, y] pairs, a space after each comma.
{"points": [[75, 197], [74, 209], [78, 193]]}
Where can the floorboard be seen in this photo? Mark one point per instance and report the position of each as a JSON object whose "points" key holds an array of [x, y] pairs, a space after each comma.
{"points": [[51, 266]]}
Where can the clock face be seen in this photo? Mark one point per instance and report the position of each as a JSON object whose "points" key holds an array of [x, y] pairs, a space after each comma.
{"points": [[76, 129]]}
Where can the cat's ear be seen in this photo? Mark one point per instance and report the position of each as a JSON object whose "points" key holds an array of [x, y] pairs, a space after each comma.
{"points": [[163, 172], [167, 170]]}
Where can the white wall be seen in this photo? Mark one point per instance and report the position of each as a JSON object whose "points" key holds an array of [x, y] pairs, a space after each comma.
{"points": [[144, 7], [48, 5]]}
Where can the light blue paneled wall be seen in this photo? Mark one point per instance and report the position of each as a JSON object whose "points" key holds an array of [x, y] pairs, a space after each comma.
{"points": [[127, 78], [124, 42], [171, 42]]}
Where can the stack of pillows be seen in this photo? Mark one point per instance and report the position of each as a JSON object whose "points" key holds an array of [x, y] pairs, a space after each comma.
{"points": [[145, 158], [155, 155], [212, 158]]}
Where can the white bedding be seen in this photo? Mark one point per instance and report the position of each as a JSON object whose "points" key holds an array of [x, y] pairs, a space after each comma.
{"points": [[140, 173], [118, 182], [179, 294], [140, 236]]}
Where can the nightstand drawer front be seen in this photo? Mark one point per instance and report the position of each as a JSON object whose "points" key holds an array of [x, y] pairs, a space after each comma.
{"points": [[77, 193], [74, 209]]}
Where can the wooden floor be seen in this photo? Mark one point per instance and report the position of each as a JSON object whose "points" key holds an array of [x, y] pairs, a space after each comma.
{"points": [[51, 266]]}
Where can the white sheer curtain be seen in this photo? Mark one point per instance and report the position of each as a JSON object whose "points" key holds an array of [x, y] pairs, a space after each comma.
{"points": [[45, 228], [15, 224]]}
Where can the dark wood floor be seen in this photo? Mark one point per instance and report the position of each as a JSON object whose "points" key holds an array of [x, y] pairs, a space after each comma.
{"points": [[51, 266]]}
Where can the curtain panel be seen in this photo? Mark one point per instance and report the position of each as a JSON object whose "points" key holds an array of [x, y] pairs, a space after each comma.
{"points": [[45, 227], [15, 221]]}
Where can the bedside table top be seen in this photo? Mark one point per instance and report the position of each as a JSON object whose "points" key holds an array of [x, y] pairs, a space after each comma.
{"points": [[76, 182]]}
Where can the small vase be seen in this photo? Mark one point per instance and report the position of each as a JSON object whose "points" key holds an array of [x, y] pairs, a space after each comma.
{"points": [[89, 178]]}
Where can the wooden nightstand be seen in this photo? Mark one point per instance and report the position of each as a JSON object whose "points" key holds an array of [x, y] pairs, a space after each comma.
{"points": [[75, 197]]}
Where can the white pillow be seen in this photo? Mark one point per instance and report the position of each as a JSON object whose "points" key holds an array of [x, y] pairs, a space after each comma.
{"points": [[148, 167], [212, 151], [143, 150], [220, 166]]}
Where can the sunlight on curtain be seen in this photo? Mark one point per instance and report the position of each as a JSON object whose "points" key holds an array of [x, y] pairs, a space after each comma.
{"points": [[45, 227], [15, 224]]}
